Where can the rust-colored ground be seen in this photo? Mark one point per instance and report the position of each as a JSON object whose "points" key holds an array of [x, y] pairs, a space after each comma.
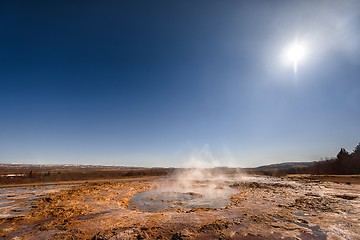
{"points": [[261, 208], [349, 179]]}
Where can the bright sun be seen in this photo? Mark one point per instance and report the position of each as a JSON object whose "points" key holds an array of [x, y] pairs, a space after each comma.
{"points": [[295, 53]]}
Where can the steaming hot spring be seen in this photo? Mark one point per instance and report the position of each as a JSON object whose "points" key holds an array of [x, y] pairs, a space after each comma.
{"points": [[189, 189]]}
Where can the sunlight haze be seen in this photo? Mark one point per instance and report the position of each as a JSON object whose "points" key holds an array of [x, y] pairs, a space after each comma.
{"points": [[155, 83]]}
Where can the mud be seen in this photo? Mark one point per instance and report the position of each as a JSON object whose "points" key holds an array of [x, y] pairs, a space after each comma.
{"points": [[251, 208]]}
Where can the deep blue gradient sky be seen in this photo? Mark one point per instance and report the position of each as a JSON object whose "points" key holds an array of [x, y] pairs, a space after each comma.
{"points": [[148, 83]]}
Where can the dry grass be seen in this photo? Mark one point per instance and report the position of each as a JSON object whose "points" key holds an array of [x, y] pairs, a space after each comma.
{"points": [[48, 174]]}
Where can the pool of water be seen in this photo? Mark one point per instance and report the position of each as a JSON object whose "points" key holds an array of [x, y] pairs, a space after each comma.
{"points": [[301, 214], [169, 199], [315, 229]]}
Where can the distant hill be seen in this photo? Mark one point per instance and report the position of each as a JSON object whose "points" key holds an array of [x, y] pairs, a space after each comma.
{"points": [[344, 163], [285, 165]]}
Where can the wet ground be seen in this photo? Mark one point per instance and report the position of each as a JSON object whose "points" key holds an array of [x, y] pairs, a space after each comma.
{"points": [[18, 201], [229, 207]]}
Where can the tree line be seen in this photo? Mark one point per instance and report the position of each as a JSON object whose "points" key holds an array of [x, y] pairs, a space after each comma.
{"points": [[344, 163]]}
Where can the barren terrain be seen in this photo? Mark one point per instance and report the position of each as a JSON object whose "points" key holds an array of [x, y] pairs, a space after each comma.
{"points": [[184, 206]]}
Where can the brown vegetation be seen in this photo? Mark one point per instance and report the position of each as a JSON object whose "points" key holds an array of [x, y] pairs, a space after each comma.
{"points": [[344, 163], [26, 174]]}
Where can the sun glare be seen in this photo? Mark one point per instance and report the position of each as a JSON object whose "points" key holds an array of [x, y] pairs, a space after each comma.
{"points": [[295, 54]]}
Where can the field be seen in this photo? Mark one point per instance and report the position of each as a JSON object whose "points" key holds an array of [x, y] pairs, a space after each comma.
{"points": [[183, 204], [16, 174]]}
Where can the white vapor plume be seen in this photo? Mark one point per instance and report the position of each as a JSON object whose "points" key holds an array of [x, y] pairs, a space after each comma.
{"points": [[203, 173]]}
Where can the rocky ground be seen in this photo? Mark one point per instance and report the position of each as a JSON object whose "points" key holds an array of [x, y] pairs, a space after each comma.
{"points": [[257, 208]]}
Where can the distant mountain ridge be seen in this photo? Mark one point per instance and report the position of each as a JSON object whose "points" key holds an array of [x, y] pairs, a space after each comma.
{"points": [[70, 166], [286, 165], [344, 163]]}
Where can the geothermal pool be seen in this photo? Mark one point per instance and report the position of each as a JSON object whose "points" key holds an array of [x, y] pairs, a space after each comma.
{"points": [[179, 198]]}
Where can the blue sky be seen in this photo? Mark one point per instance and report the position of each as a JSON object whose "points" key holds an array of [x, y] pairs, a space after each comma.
{"points": [[155, 83]]}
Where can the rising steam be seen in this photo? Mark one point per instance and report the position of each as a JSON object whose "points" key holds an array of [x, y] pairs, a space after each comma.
{"points": [[203, 173], [201, 183]]}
